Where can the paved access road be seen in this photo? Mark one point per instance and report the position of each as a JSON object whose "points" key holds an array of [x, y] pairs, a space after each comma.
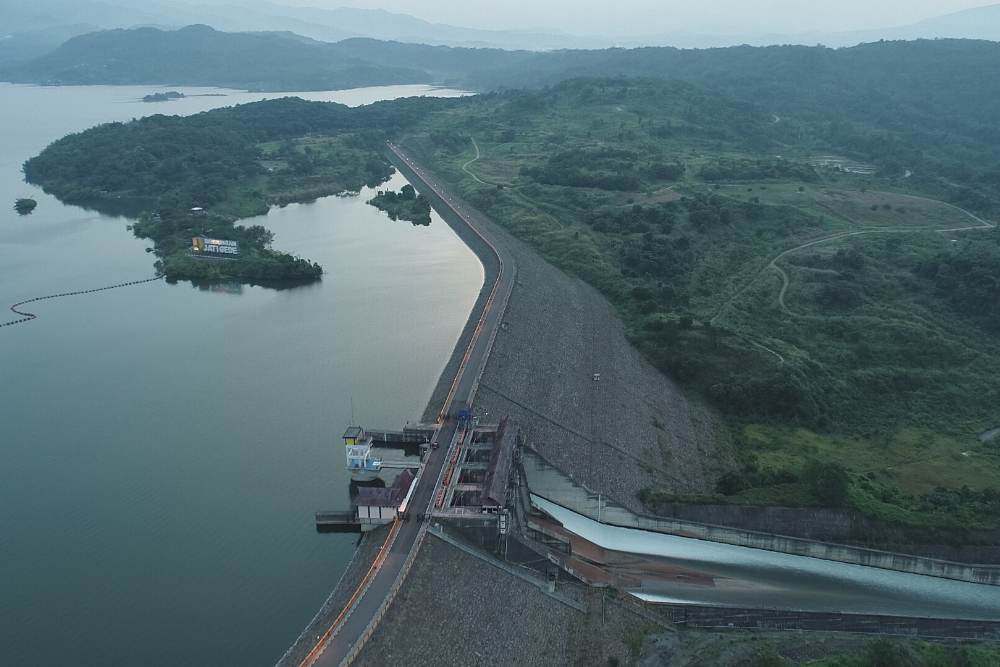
{"points": [[377, 586]]}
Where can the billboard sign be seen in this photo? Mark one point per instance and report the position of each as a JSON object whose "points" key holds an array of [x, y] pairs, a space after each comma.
{"points": [[206, 247]]}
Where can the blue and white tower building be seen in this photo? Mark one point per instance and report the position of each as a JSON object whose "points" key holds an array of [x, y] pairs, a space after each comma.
{"points": [[358, 445]]}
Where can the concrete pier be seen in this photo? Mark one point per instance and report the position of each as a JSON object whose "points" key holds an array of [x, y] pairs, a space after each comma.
{"points": [[337, 522]]}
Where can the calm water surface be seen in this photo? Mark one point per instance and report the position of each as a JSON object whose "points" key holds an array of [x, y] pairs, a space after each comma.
{"points": [[163, 448]]}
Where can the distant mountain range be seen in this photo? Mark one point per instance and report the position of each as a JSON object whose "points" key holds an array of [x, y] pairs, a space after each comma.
{"points": [[977, 23], [24, 46], [29, 19], [280, 61], [201, 56], [329, 25]]}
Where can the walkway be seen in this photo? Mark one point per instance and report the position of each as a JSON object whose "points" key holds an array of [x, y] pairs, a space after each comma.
{"points": [[344, 640]]}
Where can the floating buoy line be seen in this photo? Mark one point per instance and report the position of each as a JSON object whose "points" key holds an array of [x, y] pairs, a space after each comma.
{"points": [[28, 316]]}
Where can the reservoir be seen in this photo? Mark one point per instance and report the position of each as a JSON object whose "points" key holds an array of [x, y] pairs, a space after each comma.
{"points": [[164, 447]]}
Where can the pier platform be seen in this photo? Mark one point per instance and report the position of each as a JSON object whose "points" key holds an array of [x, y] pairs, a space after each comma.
{"points": [[338, 522], [410, 436]]}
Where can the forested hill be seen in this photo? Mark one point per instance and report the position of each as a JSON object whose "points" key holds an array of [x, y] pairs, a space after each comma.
{"points": [[928, 99], [231, 163], [199, 55], [950, 74], [178, 161], [895, 83]]}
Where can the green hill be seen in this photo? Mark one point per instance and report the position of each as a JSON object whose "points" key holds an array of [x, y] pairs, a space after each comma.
{"points": [[200, 56], [923, 82]]}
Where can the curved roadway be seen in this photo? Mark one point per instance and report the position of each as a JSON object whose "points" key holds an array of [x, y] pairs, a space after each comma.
{"points": [[342, 640]]}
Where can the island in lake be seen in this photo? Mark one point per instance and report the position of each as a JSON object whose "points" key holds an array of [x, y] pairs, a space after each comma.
{"points": [[163, 97], [24, 206], [404, 205], [184, 177], [174, 95]]}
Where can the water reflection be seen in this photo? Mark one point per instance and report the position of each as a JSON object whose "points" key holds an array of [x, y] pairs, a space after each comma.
{"points": [[185, 437], [224, 287]]}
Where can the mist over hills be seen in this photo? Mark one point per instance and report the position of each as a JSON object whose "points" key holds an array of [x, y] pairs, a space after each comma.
{"points": [[31, 44], [200, 55], [308, 48], [978, 23], [30, 19], [329, 25], [926, 79]]}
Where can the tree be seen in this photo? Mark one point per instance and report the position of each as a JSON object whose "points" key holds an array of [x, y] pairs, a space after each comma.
{"points": [[888, 653], [767, 657], [829, 482], [730, 484]]}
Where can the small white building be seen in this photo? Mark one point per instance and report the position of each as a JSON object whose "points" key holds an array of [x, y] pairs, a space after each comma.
{"points": [[380, 506]]}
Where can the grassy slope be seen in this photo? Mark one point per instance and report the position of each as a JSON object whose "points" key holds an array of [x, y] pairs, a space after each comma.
{"points": [[915, 654], [827, 649], [896, 383]]}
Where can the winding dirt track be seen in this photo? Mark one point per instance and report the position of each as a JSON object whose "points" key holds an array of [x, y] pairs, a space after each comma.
{"points": [[465, 167], [786, 282], [773, 265]]}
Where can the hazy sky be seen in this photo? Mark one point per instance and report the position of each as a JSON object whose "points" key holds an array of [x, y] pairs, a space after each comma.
{"points": [[631, 17]]}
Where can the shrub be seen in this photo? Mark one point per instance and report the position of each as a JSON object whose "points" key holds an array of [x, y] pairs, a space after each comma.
{"points": [[829, 482]]}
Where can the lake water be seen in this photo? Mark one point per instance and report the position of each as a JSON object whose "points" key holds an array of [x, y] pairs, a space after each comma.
{"points": [[163, 448]]}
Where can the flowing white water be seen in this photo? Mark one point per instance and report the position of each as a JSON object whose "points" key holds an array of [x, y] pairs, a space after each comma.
{"points": [[756, 578]]}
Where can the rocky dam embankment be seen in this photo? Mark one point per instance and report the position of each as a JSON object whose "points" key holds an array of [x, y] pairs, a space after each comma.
{"points": [[563, 369]]}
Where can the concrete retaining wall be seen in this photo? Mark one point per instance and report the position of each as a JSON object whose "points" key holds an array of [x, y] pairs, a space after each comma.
{"points": [[983, 574], [842, 526], [546, 481], [695, 616]]}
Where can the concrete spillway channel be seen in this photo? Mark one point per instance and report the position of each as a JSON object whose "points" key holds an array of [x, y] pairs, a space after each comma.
{"points": [[709, 573]]}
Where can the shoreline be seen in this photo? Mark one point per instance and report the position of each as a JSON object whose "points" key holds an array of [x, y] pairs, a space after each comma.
{"points": [[326, 616], [491, 270], [540, 335], [556, 417], [365, 551]]}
